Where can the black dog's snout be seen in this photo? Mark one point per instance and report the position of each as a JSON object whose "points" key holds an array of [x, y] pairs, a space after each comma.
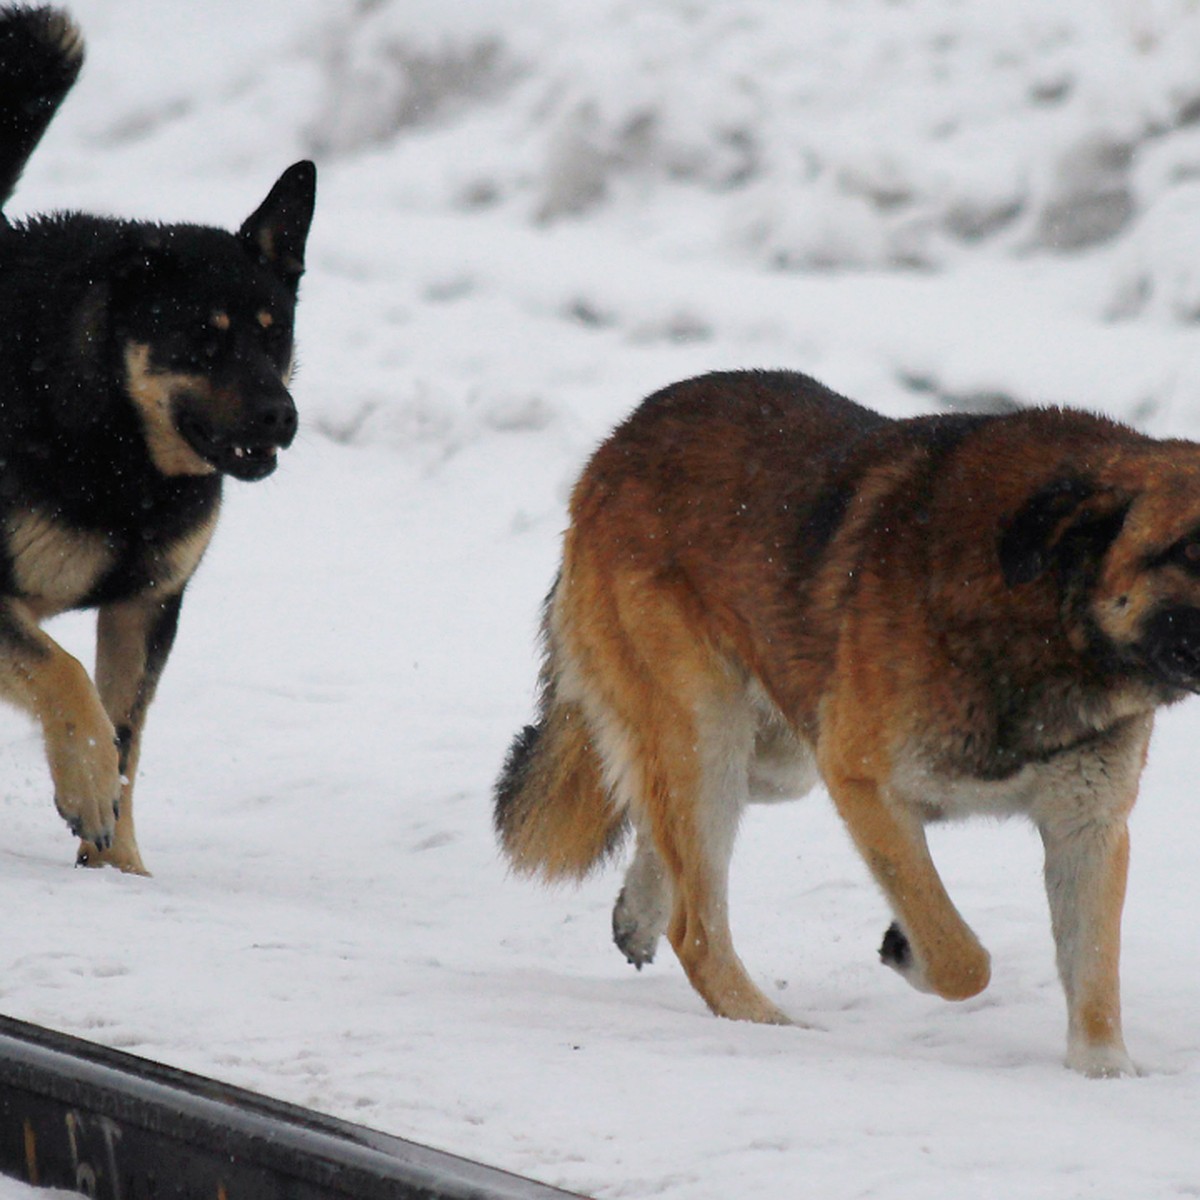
{"points": [[274, 420]]}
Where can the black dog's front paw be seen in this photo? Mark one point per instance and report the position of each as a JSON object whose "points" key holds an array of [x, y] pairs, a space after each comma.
{"points": [[895, 952]]}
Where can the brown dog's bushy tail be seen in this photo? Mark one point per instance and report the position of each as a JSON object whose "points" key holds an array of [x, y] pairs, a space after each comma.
{"points": [[554, 814], [41, 52]]}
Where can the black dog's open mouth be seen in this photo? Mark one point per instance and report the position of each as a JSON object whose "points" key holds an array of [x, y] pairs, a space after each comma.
{"points": [[230, 452], [247, 462]]}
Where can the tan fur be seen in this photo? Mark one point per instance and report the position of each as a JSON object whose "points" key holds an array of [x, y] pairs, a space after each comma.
{"points": [[52, 563], [183, 556], [972, 616], [52, 686], [565, 843], [125, 692], [153, 392], [55, 567]]}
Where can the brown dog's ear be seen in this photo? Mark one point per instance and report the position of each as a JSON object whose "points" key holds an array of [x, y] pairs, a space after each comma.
{"points": [[1065, 524], [276, 232]]}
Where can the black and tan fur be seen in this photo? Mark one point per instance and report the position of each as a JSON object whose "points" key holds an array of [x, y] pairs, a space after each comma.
{"points": [[764, 584], [139, 364]]}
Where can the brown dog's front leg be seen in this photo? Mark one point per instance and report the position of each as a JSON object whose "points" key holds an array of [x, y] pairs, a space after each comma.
{"points": [[932, 946], [1082, 817], [1086, 869], [133, 640]]}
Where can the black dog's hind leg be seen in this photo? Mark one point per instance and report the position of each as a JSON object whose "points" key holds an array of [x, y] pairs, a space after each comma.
{"points": [[133, 640]]}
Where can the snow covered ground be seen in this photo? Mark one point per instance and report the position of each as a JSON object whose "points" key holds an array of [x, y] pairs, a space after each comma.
{"points": [[531, 214]]}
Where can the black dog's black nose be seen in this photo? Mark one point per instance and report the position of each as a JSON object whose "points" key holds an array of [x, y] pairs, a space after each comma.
{"points": [[274, 420]]}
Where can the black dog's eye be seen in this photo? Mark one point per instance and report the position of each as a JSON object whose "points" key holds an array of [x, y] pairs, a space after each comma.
{"points": [[275, 339], [201, 347]]}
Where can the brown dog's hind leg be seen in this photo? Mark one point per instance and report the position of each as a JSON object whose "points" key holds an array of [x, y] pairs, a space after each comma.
{"points": [[686, 737], [702, 770], [643, 906]]}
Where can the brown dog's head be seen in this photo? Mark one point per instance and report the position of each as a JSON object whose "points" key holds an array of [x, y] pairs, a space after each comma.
{"points": [[203, 320], [1125, 553]]}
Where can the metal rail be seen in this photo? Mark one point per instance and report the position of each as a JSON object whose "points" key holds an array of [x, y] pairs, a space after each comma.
{"points": [[113, 1126]]}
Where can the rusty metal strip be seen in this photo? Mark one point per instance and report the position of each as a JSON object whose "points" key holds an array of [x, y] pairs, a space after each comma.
{"points": [[113, 1126]]}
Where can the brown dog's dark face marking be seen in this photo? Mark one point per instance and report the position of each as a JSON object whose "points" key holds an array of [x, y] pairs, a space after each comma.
{"points": [[1127, 556], [1147, 598], [1125, 551]]}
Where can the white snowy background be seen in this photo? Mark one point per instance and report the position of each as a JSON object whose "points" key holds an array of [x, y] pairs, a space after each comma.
{"points": [[531, 214]]}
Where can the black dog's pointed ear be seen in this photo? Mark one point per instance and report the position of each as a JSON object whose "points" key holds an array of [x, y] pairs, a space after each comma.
{"points": [[276, 232], [1065, 523]]}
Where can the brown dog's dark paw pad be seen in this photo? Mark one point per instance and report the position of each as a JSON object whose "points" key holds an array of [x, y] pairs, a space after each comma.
{"points": [[895, 950], [630, 938]]}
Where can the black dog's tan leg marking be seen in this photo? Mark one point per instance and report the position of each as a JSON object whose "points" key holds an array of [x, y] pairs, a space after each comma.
{"points": [[936, 950], [40, 677], [133, 640]]}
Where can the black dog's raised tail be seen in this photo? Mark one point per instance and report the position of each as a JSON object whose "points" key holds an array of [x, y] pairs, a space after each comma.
{"points": [[41, 52]]}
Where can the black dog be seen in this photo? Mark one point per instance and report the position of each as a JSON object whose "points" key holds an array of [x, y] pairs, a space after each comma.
{"points": [[139, 365]]}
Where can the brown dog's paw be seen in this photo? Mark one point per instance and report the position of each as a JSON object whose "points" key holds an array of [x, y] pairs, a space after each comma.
{"points": [[124, 857], [954, 977], [635, 936]]}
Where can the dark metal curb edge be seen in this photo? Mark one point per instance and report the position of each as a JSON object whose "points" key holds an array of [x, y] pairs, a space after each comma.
{"points": [[114, 1126]]}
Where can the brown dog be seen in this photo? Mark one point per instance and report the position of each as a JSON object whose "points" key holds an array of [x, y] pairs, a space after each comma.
{"points": [[764, 583]]}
